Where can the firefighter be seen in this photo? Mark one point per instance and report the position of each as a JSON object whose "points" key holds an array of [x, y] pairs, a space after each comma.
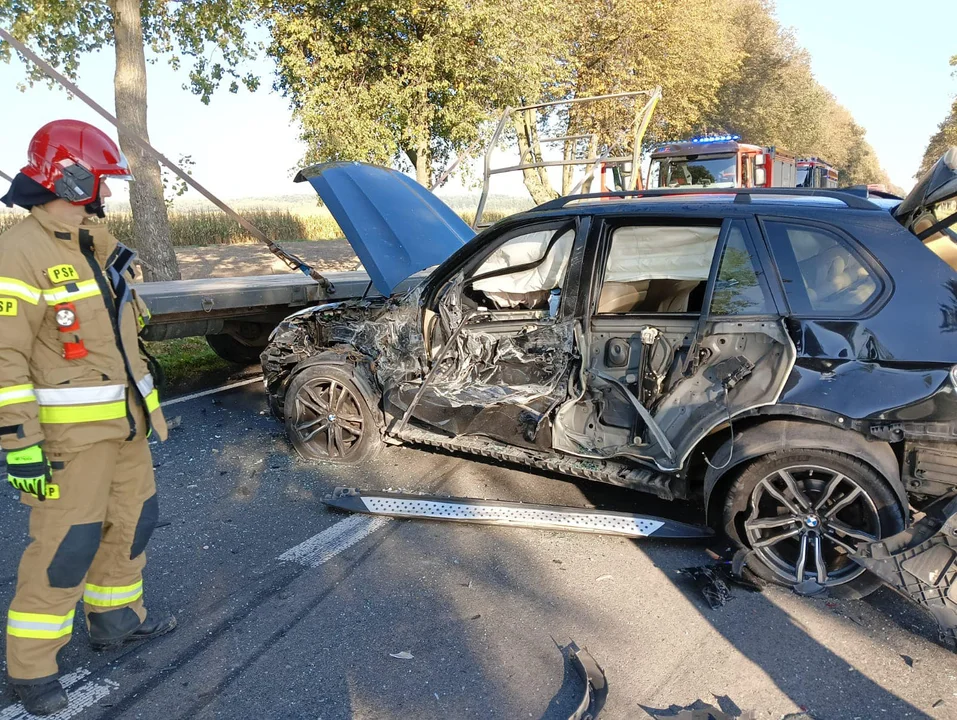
{"points": [[77, 404]]}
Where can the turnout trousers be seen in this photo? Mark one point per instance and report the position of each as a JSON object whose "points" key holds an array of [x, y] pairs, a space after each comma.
{"points": [[87, 543]]}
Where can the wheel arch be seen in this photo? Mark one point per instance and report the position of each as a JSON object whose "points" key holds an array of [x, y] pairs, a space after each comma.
{"points": [[787, 434]]}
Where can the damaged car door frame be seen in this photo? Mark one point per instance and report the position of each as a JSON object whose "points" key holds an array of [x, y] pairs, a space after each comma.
{"points": [[442, 320], [667, 449], [579, 300]]}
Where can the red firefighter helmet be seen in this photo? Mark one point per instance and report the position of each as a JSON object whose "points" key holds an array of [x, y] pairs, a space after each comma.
{"points": [[70, 157]]}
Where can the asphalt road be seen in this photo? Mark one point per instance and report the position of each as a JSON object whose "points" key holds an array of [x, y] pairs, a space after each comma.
{"points": [[483, 611]]}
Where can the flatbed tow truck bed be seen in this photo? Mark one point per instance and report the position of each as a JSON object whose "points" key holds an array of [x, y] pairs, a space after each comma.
{"points": [[244, 309]]}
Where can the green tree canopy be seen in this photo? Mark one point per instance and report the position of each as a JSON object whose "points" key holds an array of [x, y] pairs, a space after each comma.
{"points": [[381, 79], [183, 30], [376, 81], [945, 137], [210, 35], [772, 98]]}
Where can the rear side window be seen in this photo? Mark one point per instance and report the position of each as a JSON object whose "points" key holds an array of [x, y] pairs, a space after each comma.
{"points": [[822, 273], [739, 289], [657, 269]]}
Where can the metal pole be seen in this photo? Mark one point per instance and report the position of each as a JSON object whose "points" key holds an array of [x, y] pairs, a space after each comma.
{"points": [[634, 181], [5, 176], [572, 101], [292, 261], [445, 174], [487, 173]]}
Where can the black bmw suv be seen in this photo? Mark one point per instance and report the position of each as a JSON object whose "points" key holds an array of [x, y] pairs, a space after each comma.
{"points": [[784, 357]]}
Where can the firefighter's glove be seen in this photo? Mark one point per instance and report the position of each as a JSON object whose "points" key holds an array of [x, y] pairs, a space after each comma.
{"points": [[28, 471]]}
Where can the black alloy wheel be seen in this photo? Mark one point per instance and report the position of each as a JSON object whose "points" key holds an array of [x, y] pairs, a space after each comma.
{"points": [[328, 419], [803, 513], [805, 520]]}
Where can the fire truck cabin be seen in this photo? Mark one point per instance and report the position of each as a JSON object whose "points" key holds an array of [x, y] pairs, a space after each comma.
{"points": [[720, 161]]}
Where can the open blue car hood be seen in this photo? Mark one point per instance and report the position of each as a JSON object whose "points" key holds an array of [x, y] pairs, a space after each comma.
{"points": [[395, 225]]}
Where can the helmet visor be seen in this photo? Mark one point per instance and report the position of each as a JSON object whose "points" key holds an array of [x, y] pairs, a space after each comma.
{"points": [[121, 171]]}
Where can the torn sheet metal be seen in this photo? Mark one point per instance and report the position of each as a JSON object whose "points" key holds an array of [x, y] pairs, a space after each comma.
{"points": [[384, 333], [596, 685], [514, 514], [921, 563]]}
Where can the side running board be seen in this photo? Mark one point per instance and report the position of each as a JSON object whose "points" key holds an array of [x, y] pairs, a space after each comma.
{"points": [[514, 514], [921, 563]]}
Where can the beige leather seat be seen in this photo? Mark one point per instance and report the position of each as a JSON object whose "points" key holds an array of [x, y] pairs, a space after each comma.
{"points": [[678, 296], [666, 296], [621, 297], [829, 275], [938, 243]]}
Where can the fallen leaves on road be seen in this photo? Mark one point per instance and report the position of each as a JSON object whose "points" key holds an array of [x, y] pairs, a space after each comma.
{"points": [[404, 655]]}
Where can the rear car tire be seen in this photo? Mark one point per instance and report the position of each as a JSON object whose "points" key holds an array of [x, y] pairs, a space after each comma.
{"points": [[328, 419], [231, 350], [797, 509]]}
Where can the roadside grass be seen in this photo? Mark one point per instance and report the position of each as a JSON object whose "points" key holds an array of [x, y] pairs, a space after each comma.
{"points": [[212, 227], [187, 363], [191, 228]]}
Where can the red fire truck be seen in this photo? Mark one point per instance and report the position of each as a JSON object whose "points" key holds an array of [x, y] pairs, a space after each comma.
{"points": [[720, 161], [815, 173]]}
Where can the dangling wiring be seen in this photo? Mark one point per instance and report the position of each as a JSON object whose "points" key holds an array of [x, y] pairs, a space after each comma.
{"points": [[727, 406]]}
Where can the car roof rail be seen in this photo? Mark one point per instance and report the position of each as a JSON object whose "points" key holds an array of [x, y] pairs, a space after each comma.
{"points": [[864, 191], [741, 195]]}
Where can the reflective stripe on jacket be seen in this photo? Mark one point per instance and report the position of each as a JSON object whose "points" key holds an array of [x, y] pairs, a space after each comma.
{"points": [[70, 404]]}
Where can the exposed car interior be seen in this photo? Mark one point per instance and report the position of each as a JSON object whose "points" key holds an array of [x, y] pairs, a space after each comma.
{"points": [[943, 243], [834, 278], [521, 274], [657, 269]]}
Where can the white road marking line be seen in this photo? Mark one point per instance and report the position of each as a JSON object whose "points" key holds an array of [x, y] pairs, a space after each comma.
{"points": [[85, 696], [332, 541], [223, 388]]}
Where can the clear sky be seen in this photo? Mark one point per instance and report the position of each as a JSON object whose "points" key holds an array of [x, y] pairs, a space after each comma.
{"points": [[885, 61]]}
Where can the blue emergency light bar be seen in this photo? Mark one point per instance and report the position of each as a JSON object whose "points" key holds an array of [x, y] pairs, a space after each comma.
{"points": [[715, 138]]}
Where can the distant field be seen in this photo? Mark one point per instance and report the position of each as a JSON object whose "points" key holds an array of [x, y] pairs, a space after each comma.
{"points": [[194, 227]]}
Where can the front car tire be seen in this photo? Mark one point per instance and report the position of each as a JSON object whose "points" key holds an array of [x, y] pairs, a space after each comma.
{"points": [[328, 418]]}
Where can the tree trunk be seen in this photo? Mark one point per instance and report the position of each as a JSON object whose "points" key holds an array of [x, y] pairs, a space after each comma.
{"points": [[530, 152], [421, 160], [150, 220], [568, 172]]}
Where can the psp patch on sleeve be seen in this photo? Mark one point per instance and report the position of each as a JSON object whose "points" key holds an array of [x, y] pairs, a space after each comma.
{"points": [[62, 273], [8, 307]]}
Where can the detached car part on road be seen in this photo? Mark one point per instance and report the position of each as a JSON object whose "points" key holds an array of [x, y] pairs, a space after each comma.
{"points": [[514, 514], [785, 357]]}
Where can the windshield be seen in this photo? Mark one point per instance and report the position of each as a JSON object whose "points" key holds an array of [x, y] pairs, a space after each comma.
{"points": [[695, 171], [803, 177]]}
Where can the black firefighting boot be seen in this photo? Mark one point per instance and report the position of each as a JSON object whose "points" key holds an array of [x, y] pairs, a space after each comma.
{"points": [[104, 635], [43, 698]]}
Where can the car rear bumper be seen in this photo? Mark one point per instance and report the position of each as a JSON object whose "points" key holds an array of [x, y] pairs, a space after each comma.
{"points": [[921, 563]]}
